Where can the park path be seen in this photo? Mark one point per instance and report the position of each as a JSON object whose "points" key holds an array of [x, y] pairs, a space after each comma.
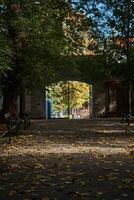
{"points": [[69, 160]]}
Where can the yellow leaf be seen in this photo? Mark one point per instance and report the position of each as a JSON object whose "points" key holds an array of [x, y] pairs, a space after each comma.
{"points": [[99, 193], [124, 195], [45, 198], [120, 186], [11, 193]]}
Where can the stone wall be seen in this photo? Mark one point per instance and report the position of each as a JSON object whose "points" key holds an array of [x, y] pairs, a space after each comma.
{"points": [[109, 99], [98, 100]]}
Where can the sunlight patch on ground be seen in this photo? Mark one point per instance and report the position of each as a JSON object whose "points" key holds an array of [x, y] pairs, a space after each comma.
{"points": [[111, 131], [65, 149]]}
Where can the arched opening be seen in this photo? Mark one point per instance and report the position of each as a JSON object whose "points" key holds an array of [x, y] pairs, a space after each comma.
{"points": [[69, 100]]}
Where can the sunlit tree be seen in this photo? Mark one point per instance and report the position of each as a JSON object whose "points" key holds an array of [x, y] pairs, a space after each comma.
{"points": [[70, 94]]}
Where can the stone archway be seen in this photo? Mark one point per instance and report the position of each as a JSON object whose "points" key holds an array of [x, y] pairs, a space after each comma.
{"points": [[109, 97], [36, 102]]}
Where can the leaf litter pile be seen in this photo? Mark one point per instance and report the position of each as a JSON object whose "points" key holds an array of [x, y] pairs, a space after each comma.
{"points": [[69, 160]]}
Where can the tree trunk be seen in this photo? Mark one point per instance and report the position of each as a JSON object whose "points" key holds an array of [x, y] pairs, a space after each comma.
{"points": [[22, 99], [11, 92], [12, 82], [130, 98]]}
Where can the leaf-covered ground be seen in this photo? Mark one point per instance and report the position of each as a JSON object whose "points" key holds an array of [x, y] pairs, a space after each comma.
{"points": [[69, 160]]}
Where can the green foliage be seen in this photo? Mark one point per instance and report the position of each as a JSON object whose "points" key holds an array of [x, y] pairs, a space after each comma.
{"points": [[77, 93], [92, 67], [114, 23], [55, 93], [5, 47], [121, 22], [5, 55], [38, 35], [39, 38]]}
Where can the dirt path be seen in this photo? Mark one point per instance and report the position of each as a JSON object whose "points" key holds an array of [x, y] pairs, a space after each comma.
{"points": [[69, 160]]}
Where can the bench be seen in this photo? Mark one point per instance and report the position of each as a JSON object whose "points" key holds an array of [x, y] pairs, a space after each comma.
{"points": [[127, 117], [13, 125]]}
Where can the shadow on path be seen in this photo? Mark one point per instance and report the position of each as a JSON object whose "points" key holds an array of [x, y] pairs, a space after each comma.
{"points": [[66, 160]]}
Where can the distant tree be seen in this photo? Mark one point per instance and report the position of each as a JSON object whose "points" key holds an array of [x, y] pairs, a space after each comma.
{"points": [[55, 93], [77, 93]]}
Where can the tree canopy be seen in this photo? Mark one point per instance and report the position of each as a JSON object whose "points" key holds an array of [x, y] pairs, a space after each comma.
{"points": [[114, 23], [35, 36]]}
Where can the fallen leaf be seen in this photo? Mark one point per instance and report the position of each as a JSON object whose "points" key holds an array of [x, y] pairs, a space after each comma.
{"points": [[45, 198], [124, 195]]}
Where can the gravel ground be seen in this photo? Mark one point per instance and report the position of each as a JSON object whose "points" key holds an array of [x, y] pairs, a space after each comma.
{"points": [[69, 160]]}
